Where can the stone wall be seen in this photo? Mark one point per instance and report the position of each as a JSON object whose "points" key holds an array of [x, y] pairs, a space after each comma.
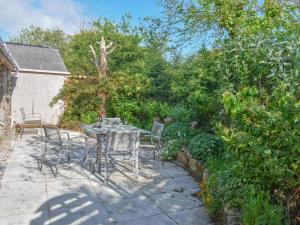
{"points": [[230, 216], [5, 100]]}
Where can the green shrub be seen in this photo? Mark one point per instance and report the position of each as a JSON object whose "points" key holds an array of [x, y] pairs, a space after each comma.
{"points": [[176, 130], [89, 117], [181, 114], [172, 148], [205, 145], [179, 130], [258, 210]]}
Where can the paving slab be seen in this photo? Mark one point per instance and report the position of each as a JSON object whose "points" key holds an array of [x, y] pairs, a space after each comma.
{"points": [[131, 208], [150, 220], [84, 214], [196, 216], [116, 190], [175, 201], [21, 204], [35, 218], [163, 185], [22, 188]]}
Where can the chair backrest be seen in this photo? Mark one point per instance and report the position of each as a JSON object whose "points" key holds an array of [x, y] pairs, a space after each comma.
{"points": [[122, 141], [86, 129], [52, 134], [157, 129], [23, 113], [111, 121]]}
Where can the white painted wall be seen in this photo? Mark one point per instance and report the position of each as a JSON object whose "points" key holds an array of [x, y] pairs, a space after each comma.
{"points": [[36, 90]]}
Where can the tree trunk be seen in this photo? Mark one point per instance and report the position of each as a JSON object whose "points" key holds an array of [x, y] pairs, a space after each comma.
{"points": [[102, 69]]}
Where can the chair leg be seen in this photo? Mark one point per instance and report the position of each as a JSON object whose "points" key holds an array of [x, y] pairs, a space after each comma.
{"points": [[43, 157], [105, 168], [57, 163], [154, 153], [69, 156], [137, 164], [100, 162], [85, 158], [21, 130]]}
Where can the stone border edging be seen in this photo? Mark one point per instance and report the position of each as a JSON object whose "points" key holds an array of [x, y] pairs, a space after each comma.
{"points": [[231, 216]]}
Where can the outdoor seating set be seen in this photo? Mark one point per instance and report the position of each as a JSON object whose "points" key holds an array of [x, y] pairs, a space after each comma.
{"points": [[113, 138]]}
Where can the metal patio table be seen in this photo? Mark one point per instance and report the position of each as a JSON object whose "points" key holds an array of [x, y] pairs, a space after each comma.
{"points": [[100, 131]]}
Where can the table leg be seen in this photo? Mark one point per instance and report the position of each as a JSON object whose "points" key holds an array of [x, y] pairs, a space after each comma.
{"points": [[99, 154]]}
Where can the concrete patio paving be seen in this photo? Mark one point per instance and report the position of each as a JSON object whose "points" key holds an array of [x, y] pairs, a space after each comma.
{"points": [[161, 196]]}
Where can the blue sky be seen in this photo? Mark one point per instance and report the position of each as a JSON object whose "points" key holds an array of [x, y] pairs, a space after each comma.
{"points": [[114, 9], [69, 15]]}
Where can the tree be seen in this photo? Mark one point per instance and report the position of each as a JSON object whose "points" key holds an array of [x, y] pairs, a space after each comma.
{"points": [[125, 91], [55, 38], [193, 21]]}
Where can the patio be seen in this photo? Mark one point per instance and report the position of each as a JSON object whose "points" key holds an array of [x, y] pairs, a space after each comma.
{"points": [[163, 195]]}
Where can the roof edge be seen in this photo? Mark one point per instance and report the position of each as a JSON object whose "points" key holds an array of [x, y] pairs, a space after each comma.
{"points": [[12, 63], [45, 71], [31, 45]]}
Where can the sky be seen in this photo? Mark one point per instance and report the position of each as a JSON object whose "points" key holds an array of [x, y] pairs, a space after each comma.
{"points": [[68, 15]]}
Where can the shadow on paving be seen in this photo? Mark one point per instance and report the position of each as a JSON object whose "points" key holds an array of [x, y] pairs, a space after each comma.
{"points": [[161, 196]]}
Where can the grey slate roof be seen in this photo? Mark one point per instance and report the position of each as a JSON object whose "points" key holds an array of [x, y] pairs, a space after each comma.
{"points": [[36, 58]]}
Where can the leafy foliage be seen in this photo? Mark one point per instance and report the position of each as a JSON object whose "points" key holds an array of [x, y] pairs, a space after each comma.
{"points": [[55, 38], [131, 82], [172, 148], [258, 210], [204, 145], [177, 130]]}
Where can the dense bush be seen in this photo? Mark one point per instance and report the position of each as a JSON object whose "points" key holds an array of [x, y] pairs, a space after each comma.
{"points": [[181, 113], [257, 209], [172, 148], [262, 130], [177, 130], [204, 145]]}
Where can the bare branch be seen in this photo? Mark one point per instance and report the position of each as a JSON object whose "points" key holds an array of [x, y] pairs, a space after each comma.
{"points": [[95, 58], [110, 44], [94, 53], [110, 51]]}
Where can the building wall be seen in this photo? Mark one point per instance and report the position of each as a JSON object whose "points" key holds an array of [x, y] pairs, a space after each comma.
{"points": [[34, 92], [5, 99]]}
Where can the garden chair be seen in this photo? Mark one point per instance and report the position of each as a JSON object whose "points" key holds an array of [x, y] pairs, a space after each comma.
{"points": [[88, 137], [155, 141], [120, 144], [111, 121], [55, 147], [29, 119]]}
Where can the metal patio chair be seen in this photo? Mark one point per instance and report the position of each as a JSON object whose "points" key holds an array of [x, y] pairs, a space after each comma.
{"points": [[120, 144], [88, 136], [154, 139], [111, 121], [29, 119], [55, 147]]}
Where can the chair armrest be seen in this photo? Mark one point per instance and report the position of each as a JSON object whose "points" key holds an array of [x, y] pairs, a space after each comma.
{"points": [[34, 115], [67, 134], [84, 136], [155, 137]]}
